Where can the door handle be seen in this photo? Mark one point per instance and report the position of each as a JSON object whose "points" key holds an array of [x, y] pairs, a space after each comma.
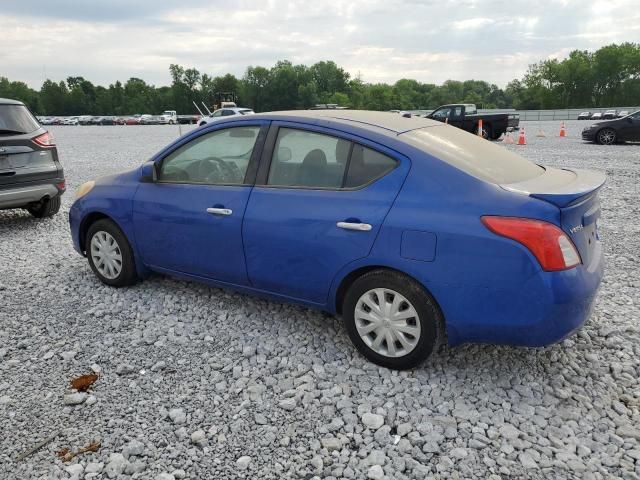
{"points": [[219, 211], [360, 227]]}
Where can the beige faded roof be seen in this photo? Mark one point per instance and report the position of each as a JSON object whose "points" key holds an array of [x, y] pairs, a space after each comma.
{"points": [[386, 120]]}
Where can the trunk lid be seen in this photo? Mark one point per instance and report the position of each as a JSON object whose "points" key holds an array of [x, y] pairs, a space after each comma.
{"points": [[575, 193]]}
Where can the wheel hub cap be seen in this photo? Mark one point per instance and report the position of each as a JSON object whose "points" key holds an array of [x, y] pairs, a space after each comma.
{"points": [[387, 322], [106, 255]]}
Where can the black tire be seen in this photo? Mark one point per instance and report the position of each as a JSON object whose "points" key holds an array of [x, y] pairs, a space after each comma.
{"points": [[428, 313], [606, 136], [486, 132], [128, 274], [45, 208]]}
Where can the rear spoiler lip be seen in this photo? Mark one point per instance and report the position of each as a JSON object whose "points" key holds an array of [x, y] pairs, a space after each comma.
{"points": [[586, 183]]}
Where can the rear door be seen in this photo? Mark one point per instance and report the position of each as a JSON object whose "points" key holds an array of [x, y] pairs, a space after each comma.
{"points": [[318, 205]]}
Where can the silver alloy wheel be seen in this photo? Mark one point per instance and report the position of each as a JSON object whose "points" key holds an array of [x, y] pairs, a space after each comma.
{"points": [[607, 136], [387, 322], [106, 255]]}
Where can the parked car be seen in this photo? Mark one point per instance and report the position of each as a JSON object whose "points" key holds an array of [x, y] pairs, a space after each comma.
{"points": [[31, 176], [188, 119], [596, 116], [132, 121], [70, 121], [149, 120], [614, 131], [623, 113], [225, 112], [609, 114], [412, 231], [584, 116], [466, 117], [85, 119]]}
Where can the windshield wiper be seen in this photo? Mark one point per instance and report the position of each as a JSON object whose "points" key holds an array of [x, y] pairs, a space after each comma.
{"points": [[14, 132]]}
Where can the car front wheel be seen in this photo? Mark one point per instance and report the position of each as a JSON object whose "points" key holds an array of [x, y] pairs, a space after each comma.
{"points": [[392, 320], [606, 136], [110, 255]]}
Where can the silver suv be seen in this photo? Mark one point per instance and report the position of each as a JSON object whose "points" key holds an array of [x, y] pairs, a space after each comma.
{"points": [[31, 176]]}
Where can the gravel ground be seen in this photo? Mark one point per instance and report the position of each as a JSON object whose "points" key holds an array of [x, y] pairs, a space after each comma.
{"points": [[200, 383]]}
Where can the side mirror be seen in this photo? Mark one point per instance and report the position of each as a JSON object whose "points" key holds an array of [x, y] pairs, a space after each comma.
{"points": [[148, 172]]}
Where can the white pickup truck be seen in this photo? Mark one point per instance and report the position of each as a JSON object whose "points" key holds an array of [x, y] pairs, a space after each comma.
{"points": [[169, 116]]}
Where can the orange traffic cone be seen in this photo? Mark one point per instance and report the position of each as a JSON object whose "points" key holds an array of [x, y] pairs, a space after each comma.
{"points": [[507, 139], [480, 128], [521, 138], [563, 131]]}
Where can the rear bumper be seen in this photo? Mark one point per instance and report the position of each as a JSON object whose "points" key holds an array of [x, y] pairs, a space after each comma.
{"points": [[544, 310], [16, 196]]}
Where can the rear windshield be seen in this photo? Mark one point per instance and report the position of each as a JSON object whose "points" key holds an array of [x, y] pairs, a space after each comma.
{"points": [[16, 119], [473, 155]]}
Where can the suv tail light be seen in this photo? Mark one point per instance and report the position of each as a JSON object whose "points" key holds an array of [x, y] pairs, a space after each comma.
{"points": [[553, 249], [45, 140]]}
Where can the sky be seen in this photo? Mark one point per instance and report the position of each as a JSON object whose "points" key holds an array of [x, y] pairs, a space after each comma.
{"points": [[379, 40]]}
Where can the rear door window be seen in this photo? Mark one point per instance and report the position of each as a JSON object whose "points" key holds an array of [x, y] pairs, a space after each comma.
{"points": [[16, 119], [308, 159]]}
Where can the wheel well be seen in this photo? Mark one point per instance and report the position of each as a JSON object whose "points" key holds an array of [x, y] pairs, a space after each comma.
{"points": [[86, 223], [353, 276]]}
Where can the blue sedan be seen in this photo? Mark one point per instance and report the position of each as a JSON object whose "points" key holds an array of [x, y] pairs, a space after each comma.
{"points": [[415, 232]]}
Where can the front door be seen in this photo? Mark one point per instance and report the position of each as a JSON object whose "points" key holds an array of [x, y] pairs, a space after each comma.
{"points": [[319, 208], [190, 219], [630, 127]]}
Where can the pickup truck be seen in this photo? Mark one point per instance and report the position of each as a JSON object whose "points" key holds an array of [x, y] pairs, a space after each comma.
{"points": [[466, 117]]}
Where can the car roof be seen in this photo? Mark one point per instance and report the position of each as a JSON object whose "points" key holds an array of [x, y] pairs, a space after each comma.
{"points": [[8, 101], [391, 122]]}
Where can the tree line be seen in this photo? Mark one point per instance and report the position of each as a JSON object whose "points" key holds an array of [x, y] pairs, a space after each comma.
{"points": [[610, 76]]}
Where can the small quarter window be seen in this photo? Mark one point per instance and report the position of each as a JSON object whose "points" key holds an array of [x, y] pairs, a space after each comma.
{"points": [[367, 165]]}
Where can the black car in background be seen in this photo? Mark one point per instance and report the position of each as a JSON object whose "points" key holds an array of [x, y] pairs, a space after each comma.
{"points": [[584, 116], [31, 176], [614, 131]]}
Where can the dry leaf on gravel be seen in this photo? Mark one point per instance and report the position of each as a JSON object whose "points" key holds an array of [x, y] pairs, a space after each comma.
{"points": [[83, 382], [67, 455]]}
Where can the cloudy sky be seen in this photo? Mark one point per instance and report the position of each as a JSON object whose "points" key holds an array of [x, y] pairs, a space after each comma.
{"points": [[381, 40]]}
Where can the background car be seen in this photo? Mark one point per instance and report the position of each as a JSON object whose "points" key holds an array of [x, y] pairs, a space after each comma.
{"points": [[132, 121], [31, 176], [225, 112], [412, 230], [596, 116], [609, 114], [626, 129], [584, 116], [85, 119], [623, 113]]}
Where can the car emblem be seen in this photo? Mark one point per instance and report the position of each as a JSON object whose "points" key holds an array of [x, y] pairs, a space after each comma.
{"points": [[576, 229]]}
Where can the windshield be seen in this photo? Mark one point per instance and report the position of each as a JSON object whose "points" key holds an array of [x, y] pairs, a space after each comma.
{"points": [[473, 154], [16, 119]]}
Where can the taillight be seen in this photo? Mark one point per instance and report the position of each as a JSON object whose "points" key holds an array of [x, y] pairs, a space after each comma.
{"points": [[45, 140], [548, 243]]}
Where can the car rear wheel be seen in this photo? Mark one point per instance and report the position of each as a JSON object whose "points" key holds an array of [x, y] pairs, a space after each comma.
{"points": [[110, 255], [607, 136], [392, 320], [45, 208]]}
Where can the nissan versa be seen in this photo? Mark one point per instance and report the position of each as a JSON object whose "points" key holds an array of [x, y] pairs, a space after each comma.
{"points": [[412, 230]]}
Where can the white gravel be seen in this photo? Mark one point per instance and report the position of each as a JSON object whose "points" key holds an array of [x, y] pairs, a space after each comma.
{"points": [[200, 383]]}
